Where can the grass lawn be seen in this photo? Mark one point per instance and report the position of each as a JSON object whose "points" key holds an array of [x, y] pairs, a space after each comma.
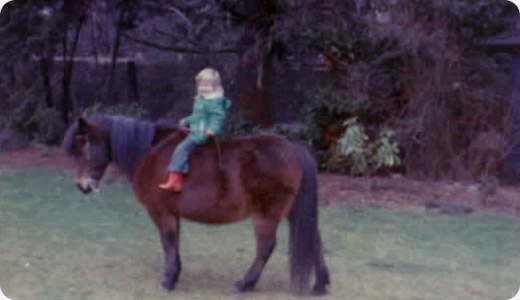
{"points": [[56, 243]]}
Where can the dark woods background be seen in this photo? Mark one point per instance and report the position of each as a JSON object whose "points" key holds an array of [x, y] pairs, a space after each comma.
{"points": [[373, 86]]}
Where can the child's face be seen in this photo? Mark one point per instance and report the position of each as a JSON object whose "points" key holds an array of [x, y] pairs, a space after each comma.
{"points": [[205, 87]]}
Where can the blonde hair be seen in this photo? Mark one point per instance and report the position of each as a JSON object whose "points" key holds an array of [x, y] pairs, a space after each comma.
{"points": [[213, 76]]}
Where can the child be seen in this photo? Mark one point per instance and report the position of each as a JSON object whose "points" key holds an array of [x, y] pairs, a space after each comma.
{"points": [[209, 112]]}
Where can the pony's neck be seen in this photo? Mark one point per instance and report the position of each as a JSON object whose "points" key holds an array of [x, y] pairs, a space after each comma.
{"points": [[131, 139]]}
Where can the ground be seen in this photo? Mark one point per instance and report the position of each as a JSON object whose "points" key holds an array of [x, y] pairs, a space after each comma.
{"points": [[397, 192], [56, 243]]}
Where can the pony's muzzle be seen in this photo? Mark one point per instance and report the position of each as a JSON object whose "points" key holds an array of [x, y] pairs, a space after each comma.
{"points": [[87, 185], [84, 190]]}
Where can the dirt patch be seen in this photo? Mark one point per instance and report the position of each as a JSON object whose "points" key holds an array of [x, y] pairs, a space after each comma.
{"points": [[408, 194], [398, 193], [36, 157]]}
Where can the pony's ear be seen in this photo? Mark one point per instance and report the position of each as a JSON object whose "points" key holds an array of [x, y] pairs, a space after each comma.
{"points": [[83, 127]]}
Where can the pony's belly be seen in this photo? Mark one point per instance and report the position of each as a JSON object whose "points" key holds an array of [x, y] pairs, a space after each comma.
{"points": [[211, 209], [204, 219], [213, 216]]}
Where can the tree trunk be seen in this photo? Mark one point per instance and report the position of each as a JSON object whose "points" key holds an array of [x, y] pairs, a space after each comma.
{"points": [[12, 73], [69, 109], [115, 54], [65, 103], [46, 65], [512, 162], [133, 92], [256, 64], [254, 89]]}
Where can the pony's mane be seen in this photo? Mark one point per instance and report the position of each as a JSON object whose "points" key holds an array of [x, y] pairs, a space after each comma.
{"points": [[72, 131], [66, 144], [130, 139]]}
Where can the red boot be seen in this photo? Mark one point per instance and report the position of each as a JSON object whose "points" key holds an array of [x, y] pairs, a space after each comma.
{"points": [[173, 183]]}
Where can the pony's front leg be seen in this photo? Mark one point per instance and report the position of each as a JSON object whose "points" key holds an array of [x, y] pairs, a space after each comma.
{"points": [[169, 232]]}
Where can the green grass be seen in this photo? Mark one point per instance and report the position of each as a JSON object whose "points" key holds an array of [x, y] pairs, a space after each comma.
{"points": [[56, 243]]}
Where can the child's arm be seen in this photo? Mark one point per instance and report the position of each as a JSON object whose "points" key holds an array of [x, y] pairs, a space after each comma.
{"points": [[186, 121], [189, 119]]}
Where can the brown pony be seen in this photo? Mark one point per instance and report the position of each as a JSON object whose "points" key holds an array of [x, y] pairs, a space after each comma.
{"points": [[264, 177]]}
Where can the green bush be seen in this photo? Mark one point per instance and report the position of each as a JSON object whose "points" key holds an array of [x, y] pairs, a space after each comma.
{"points": [[358, 155], [50, 126], [133, 109], [294, 132], [24, 112]]}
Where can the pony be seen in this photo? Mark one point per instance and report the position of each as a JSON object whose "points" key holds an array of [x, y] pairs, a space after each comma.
{"points": [[264, 177]]}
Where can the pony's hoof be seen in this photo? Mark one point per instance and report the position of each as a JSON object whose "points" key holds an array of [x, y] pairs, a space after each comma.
{"points": [[240, 287], [318, 291], [161, 289], [168, 285]]}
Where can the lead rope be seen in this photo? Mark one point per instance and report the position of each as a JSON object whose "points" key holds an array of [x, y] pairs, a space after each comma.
{"points": [[219, 153]]}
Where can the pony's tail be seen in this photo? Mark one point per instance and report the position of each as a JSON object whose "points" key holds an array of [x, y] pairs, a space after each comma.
{"points": [[304, 227]]}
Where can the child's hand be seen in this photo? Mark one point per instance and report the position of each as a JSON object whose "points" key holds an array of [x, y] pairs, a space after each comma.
{"points": [[183, 123], [210, 133]]}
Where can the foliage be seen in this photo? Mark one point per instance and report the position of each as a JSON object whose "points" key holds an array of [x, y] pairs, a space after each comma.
{"points": [[357, 155], [488, 185], [24, 113], [409, 65], [133, 109], [50, 127], [19, 107], [45, 150], [39, 22], [298, 133], [353, 149], [386, 150]]}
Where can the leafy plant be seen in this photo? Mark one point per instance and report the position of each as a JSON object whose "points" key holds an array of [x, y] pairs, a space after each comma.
{"points": [[386, 150], [50, 127], [133, 109], [22, 112], [294, 132], [357, 155]]}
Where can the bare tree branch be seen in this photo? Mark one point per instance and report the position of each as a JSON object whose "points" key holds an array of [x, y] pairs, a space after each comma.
{"points": [[389, 55], [183, 49], [173, 9], [198, 32], [177, 36], [231, 9], [281, 9]]}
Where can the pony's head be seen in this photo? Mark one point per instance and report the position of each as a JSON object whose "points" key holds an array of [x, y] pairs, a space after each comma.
{"points": [[101, 140], [89, 144]]}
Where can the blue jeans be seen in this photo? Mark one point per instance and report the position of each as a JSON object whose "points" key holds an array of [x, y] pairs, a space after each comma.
{"points": [[179, 160]]}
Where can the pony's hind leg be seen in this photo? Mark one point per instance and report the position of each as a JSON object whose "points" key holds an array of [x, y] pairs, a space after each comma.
{"points": [[322, 273], [265, 234], [169, 233]]}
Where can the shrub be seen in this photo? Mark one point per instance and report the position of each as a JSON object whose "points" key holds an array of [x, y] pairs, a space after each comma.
{"points": [[294, 132], [50, 126], [133, 109], [357, 155], [24, 113]]}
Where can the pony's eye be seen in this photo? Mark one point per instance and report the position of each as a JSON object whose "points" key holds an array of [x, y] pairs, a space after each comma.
{"points": [[78, 145], [81, 139], [76, 152]]}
